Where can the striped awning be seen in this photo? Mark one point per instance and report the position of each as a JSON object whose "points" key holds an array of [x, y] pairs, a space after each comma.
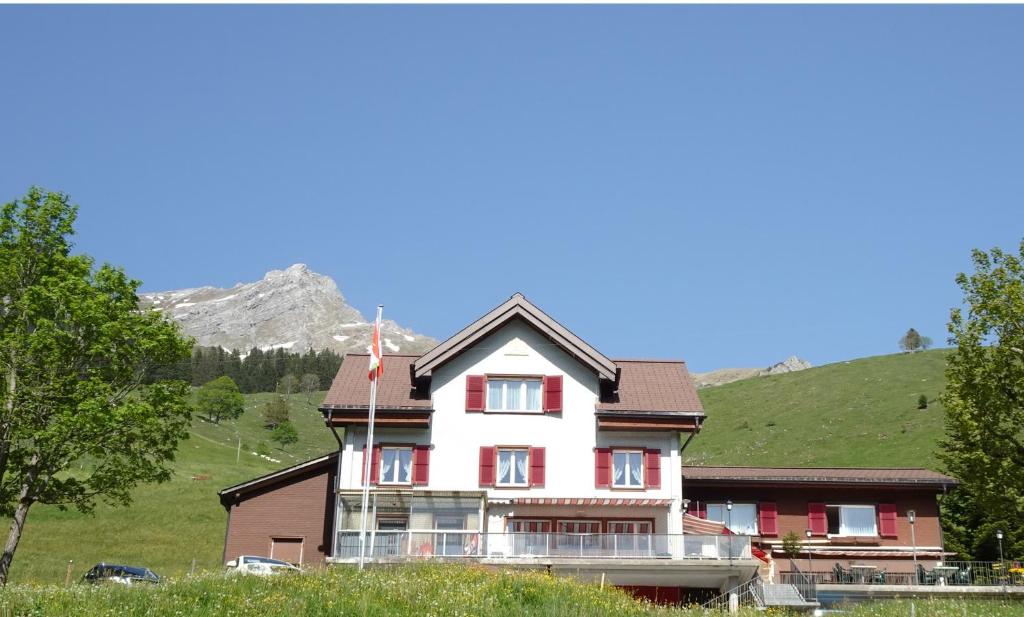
{"points": [[583, 501], [700, 526]]}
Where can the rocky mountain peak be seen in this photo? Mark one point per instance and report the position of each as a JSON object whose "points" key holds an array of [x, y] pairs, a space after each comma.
{"points": [[294, 309]]}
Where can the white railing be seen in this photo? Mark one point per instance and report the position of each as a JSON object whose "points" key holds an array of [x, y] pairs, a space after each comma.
{"points": [[472, 544]]}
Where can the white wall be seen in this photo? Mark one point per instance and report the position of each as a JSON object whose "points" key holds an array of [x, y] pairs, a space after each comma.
{"points": [[569, 438]]}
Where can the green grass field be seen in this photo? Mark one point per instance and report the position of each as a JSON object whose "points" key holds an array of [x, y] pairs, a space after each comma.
{"points": [[858, 413], [169, 524], [437, 590]]}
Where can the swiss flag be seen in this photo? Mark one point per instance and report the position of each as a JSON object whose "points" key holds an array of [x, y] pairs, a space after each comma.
{"points": [[376, 358]]}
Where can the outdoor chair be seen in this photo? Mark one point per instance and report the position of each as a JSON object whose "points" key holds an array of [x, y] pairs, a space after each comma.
{"points": [[924, 577], [878, 578], [841, 575]]}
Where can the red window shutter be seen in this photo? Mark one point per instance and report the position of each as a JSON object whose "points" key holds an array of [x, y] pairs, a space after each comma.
{"points": [[552, 394], [817, 521], [536, 466], [768, 519], [602, 467], [421, 465], [887, 520], [475, 386], [652, 468], [375, 465], [487, 456]]}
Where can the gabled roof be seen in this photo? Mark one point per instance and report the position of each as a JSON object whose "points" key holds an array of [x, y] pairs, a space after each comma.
{"points": [[351, 387], [908, 477], [653, 386], [516, 307]]}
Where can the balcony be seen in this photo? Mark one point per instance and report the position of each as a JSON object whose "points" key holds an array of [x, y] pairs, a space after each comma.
{"points": [[943, 574], [436, 543]]}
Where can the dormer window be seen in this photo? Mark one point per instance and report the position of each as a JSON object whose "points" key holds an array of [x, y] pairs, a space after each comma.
{"points": [[513, 394]]}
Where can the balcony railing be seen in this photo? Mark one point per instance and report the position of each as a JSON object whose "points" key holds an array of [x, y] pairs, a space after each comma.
{"points": [[948, 573], [475, 545]]}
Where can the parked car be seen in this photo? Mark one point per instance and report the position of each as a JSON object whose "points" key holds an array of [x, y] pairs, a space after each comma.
{"points": [[262, 566], [124, 575]]}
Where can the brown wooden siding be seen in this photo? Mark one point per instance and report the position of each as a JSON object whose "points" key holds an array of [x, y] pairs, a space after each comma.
{"points": [[298, 507]]}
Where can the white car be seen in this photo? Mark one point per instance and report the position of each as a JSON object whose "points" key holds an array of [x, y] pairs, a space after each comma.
{"points": [[260, 566]]}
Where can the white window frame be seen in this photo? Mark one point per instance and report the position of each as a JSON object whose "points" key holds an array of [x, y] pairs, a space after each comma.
{"points": [[725, 516], [627, 474], [512, 469], [397, 466], [504, 394], [859, 506]]}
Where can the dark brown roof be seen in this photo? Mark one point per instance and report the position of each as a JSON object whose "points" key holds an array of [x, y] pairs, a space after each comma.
{"points": [[812, 475], [653, 386], [516, 307], [231, 493], [351, 388]]}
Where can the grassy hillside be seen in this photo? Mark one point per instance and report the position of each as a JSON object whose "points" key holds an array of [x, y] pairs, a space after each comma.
{"points": [[857, 413], [169, 524]]}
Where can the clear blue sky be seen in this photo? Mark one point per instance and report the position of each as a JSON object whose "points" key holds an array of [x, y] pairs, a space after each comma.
{"points": [[728, 185]]}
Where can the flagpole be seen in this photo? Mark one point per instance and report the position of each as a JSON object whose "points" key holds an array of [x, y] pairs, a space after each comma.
{"points": [[369, 451]]}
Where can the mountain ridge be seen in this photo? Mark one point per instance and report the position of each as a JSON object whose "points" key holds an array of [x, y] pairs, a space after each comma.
{"points": [[294, 309]]}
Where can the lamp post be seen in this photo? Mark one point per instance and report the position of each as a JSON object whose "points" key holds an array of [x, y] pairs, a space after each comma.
{"points": [[728, 508], [999, 536], [686, 508], [810, 557], [912, 518]]}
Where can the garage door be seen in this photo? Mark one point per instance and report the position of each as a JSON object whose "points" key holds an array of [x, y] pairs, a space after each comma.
{"points": [[287, 549]]}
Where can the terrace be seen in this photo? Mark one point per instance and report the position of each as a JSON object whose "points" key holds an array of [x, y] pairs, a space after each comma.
{"points": [[466, 544]]}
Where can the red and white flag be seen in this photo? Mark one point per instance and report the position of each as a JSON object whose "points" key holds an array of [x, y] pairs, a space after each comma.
{"points": [[376, 358]]}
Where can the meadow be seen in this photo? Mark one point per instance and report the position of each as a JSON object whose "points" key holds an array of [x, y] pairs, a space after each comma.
{"points": [[420, 590]]}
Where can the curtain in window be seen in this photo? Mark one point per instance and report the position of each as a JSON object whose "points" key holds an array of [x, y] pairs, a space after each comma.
{"points": [[513, 395], [405, 471], [533, 395], [504, 467], [618, 468], [857, 521], [744, 519], [521, 467], [636, 468], [494, 394], [387, 463]]}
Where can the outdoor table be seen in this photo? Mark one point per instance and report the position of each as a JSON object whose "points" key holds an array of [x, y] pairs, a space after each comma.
{"points": [[862, 571], [944, 571]]}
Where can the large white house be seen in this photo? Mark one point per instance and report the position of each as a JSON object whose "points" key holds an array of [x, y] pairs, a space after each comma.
{"points": [[513, 442]]}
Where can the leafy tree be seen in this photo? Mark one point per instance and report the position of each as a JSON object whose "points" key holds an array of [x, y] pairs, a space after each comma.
{"points": [[288, 384], [984, 400], [275, 411], [284, 434], [310, 383], [78, 422], [791, 545], [922, 402], [219, 399], [912, 341]]}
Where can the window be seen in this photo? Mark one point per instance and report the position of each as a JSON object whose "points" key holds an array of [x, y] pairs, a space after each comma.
{"points": [[742, 520], [513, 467], [513, 394], [628, 468], [395, 465], [851, 520]]}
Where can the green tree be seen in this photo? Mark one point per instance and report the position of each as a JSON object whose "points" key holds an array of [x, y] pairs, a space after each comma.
{"points": [[791, 546], [78, 421], [284, 434], [288, 385], [220, 399], [984, 400], [275, 411], [911, 341], [309, 384]]}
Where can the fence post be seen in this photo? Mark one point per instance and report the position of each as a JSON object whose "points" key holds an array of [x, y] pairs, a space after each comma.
{"points": [[67, 576]]}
